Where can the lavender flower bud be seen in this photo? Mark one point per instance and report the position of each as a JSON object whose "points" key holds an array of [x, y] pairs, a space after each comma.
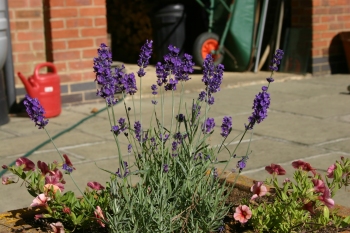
{"points": [[260, 105], [276, 60], [145, 55], [208, 125], [226, 126], [165, 168]]}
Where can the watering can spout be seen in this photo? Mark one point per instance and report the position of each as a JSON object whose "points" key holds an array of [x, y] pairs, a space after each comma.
{"points": [[30, 86]]}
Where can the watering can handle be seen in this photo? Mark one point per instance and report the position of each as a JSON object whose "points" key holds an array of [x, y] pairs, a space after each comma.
{"points": [[45, 64]]}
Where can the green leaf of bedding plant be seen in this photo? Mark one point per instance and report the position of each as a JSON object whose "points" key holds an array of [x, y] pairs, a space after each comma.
{"points": [[326, 213], [347, 220]]}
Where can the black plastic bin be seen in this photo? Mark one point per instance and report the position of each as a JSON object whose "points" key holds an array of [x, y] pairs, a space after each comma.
{"points": [[4, 118], [169, 29]]}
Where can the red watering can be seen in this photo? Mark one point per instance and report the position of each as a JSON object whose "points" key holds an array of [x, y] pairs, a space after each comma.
{"points": [[46, 88]]}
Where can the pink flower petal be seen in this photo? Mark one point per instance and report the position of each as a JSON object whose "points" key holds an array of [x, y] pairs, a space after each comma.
{"points": [[242, 214], [28, 164], [40, 200], [258, 189], [330, 171], [95, 185], [99, 215]]}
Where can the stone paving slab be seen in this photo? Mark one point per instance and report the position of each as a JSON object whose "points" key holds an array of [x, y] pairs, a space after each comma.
{"points": [[331, 107], [341, 144], [340, 80], [301, 129], [307, 88], [20, 145]]}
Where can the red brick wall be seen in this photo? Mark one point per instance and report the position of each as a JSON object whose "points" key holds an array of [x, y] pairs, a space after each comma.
{"points": [[78, 27], [327, 19], [27, 34], [66, 32]]}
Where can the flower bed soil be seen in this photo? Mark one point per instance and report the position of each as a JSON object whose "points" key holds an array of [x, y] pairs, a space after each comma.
{"points": [[22, 220]]}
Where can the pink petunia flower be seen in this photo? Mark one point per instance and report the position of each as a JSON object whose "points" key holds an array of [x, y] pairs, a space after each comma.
{"points": [[6, 180], [52, 180], [258, 189], [99, 215], [40, 200], [51, 187], [319, 185], [27, 164], [57, 227], [95, 185], [330, 171], [286, 180], [43, 167], [275, 169], [304, 166], [310, 206], [242, 214], [326, 198]]}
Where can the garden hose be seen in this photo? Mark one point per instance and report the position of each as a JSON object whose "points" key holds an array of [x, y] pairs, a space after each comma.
{"points": [[56, 136]]}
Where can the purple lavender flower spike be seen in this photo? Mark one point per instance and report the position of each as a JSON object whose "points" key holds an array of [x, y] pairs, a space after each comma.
{"points": [[208, 125], [260, 106], [137, 127], [154, 102], [196, 110], [171, 85], [67, 168], [115, 129], [162, 74], [241, 164], [165, 168], [270, 80], [145, 55], [212, 79], [174, 146], [154, 89], [129, 83], [202, 96], [125, 168], [211, 100], [164, 138], [184, 69], [35, 111], [276, 60], [226, 126], [122, 124], [129, 148], [173, 65], [180, 117], [104, 77]]}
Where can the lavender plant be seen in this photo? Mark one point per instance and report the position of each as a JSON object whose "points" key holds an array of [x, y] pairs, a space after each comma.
{"points": [[178, 187]]}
